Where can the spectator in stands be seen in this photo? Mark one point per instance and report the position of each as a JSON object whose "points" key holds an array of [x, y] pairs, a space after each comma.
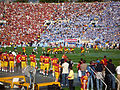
{"points": [[65, 73], [91, 20], [111, 78], [118, 75]]}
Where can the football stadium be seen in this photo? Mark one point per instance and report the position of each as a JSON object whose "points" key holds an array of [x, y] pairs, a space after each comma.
{"points": [[59, 45]]}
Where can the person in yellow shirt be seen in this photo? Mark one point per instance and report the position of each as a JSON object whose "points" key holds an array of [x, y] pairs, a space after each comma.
{"points": [[11, 62], [41, 63], [71, 78], [53, 63], [32, 59], [23, 61], [5, 61], [46, 64], [57, 71]]}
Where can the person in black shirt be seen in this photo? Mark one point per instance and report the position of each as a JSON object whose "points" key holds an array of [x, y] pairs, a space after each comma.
{"points": [[98, 70], [110, 78], [61, 62], [70, 63]]}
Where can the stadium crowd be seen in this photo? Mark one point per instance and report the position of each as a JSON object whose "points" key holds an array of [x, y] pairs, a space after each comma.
{"points": [[48, 22]]}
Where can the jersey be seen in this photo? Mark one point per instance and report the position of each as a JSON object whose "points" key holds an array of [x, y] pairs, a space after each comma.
{"points": [[11, 57], [84, 78], [48, 50], [64, 57], [82, 48], [54, 61], [104, 61], [41, 58], [32, 58], [24, 58], [71, 49], [46, 60], [5, 56], [1, 57], [78, 66], [24, 49], [18, 58], [66, 49], [57, 66]]}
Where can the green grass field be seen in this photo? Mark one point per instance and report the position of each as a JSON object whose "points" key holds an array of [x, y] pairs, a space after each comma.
{"points": [[92, 55]]}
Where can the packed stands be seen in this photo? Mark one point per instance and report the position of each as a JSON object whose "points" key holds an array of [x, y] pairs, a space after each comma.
{"points": [[48, 22]]}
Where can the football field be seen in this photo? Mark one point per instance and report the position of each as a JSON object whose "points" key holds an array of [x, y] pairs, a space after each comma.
{"points": [[75, 57], [113, 54]]}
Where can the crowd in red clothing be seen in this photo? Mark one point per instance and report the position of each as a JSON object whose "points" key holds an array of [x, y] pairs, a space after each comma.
{"points": [[25, 21]]}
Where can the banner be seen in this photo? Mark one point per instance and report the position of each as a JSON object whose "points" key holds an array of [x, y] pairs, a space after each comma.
{"points": [[70, 40]]}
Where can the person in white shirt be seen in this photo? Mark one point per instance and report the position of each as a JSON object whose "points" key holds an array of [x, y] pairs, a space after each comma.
{"points": [[65, 73], [118, 76]]}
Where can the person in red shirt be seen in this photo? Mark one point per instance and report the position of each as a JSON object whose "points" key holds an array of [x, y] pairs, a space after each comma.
{"points": [[96, 47], [46, 63], [18, 61], [82, 51], [53, 62], [41, 63], [104, 61], [48, 50], [23, 60], [64, 56], [11, 62], [5, 61], [24, 49], [32, 59], [66, 50]]}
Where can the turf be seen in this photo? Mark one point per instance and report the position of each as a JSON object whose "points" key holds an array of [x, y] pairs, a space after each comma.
{"points": [[92, 55]]}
